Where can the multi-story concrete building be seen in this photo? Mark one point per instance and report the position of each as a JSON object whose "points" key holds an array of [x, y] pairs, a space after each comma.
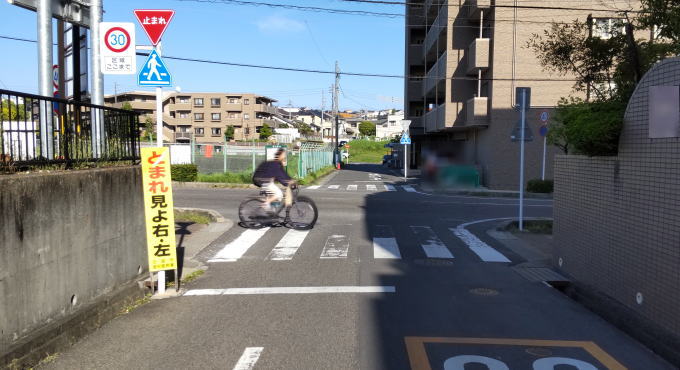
{"points": [[465, 59], [203, 117]]}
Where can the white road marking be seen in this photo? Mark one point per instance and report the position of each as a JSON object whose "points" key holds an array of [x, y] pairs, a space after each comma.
{"points": [[249, 358], [237, 248], [483, 250], [288, 245], [390, 188], [293, 290], [371, 187], [386, 248], [337, 246], [333, 186], [432, 245], [313, 187], [351, 187], [409, 188]]}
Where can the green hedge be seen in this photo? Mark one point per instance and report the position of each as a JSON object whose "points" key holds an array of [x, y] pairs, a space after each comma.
{"points": [[184, 172], [540, 186]]}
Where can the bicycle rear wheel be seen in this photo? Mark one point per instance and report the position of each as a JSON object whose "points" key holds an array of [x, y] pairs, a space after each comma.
{"points": [[251, 213], [302, 214]]}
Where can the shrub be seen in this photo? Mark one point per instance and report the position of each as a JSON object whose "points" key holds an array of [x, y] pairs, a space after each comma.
{"points": [[184, 172], [540, 186]]}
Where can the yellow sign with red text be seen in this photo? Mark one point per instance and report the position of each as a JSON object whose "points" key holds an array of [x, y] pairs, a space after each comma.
{"points": [[158, 209]]}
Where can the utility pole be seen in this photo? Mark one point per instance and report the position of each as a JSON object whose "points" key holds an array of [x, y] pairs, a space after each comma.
{"points": [[115, 93], [336, 88], [323, 106], [45, 76], [97, 97]]}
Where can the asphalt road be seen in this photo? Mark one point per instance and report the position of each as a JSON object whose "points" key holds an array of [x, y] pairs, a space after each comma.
{"points": [[386, 280]]}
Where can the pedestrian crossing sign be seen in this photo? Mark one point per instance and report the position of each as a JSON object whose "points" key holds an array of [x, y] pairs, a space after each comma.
{"points": [[405, 139], [154, 72]]}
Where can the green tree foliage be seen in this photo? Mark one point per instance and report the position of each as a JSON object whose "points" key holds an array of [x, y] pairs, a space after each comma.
{"points": [[9, 110], [148, 129], [367, 128], [266, 132], [304, 128], [229, 133], [283, 125], [127, 106], [664, 15]]}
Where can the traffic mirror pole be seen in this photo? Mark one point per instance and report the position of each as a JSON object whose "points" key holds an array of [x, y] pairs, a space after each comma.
{"points": [[521, 162]]}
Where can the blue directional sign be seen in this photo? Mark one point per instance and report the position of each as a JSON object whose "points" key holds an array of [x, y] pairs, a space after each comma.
{"points": [[405, 139], [154, 72]]}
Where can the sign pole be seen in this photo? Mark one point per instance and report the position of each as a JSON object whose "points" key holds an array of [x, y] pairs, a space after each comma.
{"points": [[543, 168], [405, 167], [521, 162]]}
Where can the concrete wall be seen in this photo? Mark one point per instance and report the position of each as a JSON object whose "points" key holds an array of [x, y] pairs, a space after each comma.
{"points": [[66, 240], [617, 219]]}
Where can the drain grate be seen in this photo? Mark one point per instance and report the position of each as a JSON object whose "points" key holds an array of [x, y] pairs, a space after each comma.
{"points": [[433, 262], [540, 274], [486, 292]]}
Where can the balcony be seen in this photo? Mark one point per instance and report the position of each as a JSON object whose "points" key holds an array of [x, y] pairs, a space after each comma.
{"points": [[183, 136], [415, 54], [433, 120], [478, 56], [434, 31], [430, 3], [476, 7], [265, 108], [477, 111], [436, 74], [414, 90], [233, 107]]}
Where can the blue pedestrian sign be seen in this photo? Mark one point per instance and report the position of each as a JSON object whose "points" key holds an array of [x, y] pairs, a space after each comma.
{"points": [[154, 72], [405, 139]]}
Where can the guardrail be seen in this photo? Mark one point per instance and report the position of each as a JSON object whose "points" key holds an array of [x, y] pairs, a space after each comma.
{"points": [[36, 131]]}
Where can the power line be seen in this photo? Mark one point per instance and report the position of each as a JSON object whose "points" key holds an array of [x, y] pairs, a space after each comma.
{"points": [[302, 8], [381, 2]]}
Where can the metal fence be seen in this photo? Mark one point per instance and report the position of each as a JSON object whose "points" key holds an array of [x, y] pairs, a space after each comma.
{"points": [[37, 130], [312, 157]]}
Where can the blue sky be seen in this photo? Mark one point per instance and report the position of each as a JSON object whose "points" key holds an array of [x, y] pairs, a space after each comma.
{"points": [[252, 35]]}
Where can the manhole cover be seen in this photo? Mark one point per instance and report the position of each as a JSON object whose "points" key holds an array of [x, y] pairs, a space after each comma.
{"points": [[539, 352], [484, 291], [433, 262]]}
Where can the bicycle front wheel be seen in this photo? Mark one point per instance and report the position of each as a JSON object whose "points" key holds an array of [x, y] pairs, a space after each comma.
{"points": [[302, 214], [251, 213]]}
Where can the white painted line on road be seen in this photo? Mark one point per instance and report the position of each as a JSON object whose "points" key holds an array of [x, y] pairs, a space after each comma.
{"points": [[333, 187], [386, 248], [337, 246], [288, 245], [408, 188], [293, 290], [237, 248], [313, 187], [390, 188], [352, 187], [431, 244], [249, 358], [483, 250], [371, 187]]}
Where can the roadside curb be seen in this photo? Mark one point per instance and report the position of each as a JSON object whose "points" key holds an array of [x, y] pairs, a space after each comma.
{"points": [[490, 194]]}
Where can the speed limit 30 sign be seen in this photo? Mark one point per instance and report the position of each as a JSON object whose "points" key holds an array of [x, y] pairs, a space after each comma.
{"points": [[117, 48]]}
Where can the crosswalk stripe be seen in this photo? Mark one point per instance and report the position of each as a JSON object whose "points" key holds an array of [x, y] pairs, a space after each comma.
{"points": [[288, 245], [483, 250], [371, 187], [390, 188], [313, 187], [336, 246], [432, 245], [333, 186], [248, 358], [293, 290], [386, 248], [237, 248], [351, 187], [408, 188]]}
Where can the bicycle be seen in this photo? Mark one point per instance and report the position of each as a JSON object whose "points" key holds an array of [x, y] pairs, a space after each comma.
{"points": [[301, 214]]}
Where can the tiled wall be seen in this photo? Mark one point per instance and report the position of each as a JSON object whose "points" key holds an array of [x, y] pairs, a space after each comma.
{"points": [[617, 219]]}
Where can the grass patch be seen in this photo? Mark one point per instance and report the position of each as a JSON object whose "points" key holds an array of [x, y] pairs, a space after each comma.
{"points": [[313, 177], [533, 226], [189, 278], [194, 217], [133, 305], [367, 151], [227, 177]]}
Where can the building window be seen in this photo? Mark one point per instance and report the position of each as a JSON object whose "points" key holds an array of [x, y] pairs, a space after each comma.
{"points": [[215, 102], [184, 115], [198, 102], [216, 116], [233, 101], [246, 116], [183, 128], [233, 115], [246, 101], [199, 131], [184, 100], [216, 131], [606, 28], [198, 116]]}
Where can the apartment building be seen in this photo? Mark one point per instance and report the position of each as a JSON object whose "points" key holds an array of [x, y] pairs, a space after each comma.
{"points": [[465, 59], [203, 117]]}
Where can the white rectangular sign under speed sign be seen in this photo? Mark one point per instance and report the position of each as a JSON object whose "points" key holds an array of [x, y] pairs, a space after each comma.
{"points": [[117, 46]]}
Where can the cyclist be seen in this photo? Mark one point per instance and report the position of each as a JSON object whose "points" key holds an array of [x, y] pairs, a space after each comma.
{"points": [[266, 175]]}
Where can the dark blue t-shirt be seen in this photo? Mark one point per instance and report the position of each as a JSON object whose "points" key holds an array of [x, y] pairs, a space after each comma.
{"points": [[269, 170]]}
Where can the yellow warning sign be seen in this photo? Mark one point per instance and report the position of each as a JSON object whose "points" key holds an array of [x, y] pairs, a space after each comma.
{"points": [[158, 208]]}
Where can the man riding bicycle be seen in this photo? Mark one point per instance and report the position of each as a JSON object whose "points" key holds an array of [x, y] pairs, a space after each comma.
{"points": [[268, 173]]}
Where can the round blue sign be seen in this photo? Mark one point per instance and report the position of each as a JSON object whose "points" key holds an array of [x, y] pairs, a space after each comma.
{"points": [[543, 130], [544, 117]]}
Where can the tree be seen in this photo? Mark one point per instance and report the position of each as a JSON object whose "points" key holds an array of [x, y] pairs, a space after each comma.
{"points": [[229, 133], [148, 128], [304, 128], [367, 128], [127, 106], [283, 125], [664, 16], [9, 110], [266, 132]]}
